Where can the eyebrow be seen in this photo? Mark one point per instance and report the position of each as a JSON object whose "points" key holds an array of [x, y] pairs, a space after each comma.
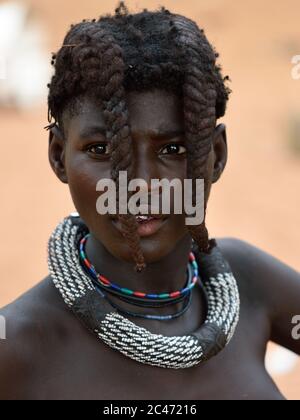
{"points": [[169, 134], [87, 132]]}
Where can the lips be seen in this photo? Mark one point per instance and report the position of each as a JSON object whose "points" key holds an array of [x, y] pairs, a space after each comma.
{"points": [[147, 217], [147, 224]]}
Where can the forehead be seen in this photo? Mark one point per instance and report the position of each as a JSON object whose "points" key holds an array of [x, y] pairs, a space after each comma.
{"points": [[150, 111]]}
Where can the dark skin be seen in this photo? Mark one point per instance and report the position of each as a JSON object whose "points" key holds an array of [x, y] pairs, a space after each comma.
{"points": [[49, 354]]}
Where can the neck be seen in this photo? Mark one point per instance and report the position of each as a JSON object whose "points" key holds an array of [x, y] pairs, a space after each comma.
{"points": [[169, 274]]}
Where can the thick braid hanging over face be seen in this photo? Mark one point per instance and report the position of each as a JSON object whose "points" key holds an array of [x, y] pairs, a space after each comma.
{"points": [[97, 67], [200, 97], [105, 58]]}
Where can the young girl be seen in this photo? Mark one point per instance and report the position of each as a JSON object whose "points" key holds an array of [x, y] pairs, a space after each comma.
{"points": [[142, 93]]}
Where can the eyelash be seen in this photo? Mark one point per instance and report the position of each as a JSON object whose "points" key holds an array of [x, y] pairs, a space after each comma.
{"points": [[93, 146], [174, 144], [89, 149]]}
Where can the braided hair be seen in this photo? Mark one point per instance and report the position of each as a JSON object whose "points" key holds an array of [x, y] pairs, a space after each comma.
{"points": [[104, 58]]}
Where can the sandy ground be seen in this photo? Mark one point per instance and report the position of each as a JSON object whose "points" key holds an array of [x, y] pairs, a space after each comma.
{"points": [[257, 199]]}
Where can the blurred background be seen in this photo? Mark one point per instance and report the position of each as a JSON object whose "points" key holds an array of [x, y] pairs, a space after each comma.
{"points": [[257, 199]]}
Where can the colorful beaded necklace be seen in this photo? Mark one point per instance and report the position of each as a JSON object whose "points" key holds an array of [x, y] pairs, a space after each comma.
{"points": [[104, 282], [186, 298]]}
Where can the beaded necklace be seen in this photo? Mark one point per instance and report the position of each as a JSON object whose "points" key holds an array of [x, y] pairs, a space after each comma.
{"points": [[187, 303], [104, 285], [103, 281]]}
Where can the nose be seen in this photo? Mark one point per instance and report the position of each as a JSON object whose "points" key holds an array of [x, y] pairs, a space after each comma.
{"points": [[145, 166]]}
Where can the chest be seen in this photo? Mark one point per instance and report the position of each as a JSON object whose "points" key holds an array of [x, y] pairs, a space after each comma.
{"points": [[100, 373], [76, 365]]}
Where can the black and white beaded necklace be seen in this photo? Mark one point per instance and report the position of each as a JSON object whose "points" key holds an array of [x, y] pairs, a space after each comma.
{"points": [[139, 344]]}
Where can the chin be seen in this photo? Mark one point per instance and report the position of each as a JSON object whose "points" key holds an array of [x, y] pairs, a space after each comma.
{"points": [[154, 247]]}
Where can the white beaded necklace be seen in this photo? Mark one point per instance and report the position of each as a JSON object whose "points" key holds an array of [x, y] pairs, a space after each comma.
{"points": [[177, 352]]}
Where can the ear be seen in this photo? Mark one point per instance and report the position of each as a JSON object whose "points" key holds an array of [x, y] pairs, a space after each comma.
{"points": [[56, 152], [220, 151]]}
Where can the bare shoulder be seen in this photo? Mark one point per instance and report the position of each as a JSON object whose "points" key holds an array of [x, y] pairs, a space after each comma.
{"points": [[32, 322], [260, 268], [247, 263], [268, 283]]}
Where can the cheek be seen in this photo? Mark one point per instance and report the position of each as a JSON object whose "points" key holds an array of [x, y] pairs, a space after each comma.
{"points": [[178, 170], [83, 176]]}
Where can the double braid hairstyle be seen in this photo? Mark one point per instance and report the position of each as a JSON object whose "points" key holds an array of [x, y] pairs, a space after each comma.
{"points": [[104, 58]]}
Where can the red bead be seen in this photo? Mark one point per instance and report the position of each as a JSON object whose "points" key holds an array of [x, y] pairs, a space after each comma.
{"points": [[87, 263], [174, 294], [104, 280], [138, 294], [192, 257]]}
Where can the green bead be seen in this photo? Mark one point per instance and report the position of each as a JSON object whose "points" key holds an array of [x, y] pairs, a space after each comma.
{"points": [[127, 291], [163, 296], [82, 255]]}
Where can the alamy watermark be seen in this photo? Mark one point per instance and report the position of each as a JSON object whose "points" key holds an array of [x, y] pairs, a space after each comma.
{"points": [[160, 203], [296, 329], [2, 328], [296, 67]]}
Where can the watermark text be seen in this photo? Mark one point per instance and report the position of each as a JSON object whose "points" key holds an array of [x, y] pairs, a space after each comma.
{"points": [[2, 328], [160, 197], [296, 329], [296, 67]]}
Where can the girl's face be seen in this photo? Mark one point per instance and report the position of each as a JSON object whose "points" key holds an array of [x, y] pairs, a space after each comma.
{"points": [[157, 130]]}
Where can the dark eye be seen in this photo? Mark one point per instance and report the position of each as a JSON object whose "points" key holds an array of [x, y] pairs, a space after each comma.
{"points": [[98, 149], [173, 149]]}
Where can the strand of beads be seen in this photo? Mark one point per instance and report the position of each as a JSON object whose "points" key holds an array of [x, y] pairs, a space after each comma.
{"points": [[108, 285]]}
